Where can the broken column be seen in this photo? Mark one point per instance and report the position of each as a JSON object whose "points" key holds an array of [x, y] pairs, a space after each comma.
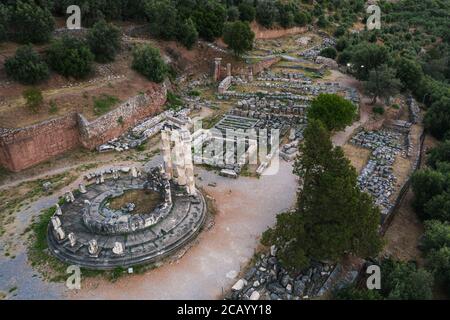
{"points": [[167, 153], [217, 66], [179, 158], [250, 74], [188, 164], [228, 69]]}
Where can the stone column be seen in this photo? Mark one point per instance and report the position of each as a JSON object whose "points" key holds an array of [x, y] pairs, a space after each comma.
{"points": [[167, 155], [188, 164], [250, 74], [217, 66], [179, 158], [228, 69]]}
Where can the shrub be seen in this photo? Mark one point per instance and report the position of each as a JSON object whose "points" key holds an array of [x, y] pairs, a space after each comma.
{"points": [[31, 22], [4, 18], [247, 12], [103, 104], [403, 281], [439, 154], [70, 57], [104, 41], [232, 13], [147, 61], [26, 66], [187, 34], [378, 110], [329, 52], [266, 13], [437, 119], [33, 98], [53, 107]]}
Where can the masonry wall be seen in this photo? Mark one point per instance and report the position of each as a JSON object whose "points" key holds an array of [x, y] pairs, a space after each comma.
{"points": [[25, 147], [116, 122]]}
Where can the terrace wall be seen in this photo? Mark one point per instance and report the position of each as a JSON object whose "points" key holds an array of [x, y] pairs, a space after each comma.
{"points": [[25, 147]]}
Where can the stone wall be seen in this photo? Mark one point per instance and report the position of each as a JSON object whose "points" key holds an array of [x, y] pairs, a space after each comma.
{"points": [[25, 147], [116, 122], [265, 64]]}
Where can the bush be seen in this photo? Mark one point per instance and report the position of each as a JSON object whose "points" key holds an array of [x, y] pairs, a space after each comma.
{"points": [[33, 98], [437, 119], [340, 31], [439, 154], [173, 101], [353, 293], [31, 23], [4, 18], [378, 110], [333, 111], [436, 236], [403, 281], [329, 52], [26, 66], [266, 13], [426, 185], [70, 57], [239, 37], [148, 62], [104, 41], [187, 34], [162, 17], [247, 12], [209, 18], [232, 14], [103, 104], [300, 18]]}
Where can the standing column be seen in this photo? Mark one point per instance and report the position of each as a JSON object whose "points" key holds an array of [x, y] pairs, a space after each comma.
{"points": [[250, 74], [228, 69], [179, 158], [167, 153], [188, 164], [217, 66]]}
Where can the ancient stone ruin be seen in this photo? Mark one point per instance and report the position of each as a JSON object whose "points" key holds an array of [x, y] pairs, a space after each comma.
{"points": [[98, 227]]}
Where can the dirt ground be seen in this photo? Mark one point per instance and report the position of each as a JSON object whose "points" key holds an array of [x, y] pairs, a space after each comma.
{"points": [[358, 156], [115, 79], [403, 235]]}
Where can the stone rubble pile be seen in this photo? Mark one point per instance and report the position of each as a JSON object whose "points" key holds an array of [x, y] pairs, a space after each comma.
{"points": [[284, 77], [147, 129], [377, 177], [268, 280], [257, 104], [269, 95], [414, 110], [313, 53]]}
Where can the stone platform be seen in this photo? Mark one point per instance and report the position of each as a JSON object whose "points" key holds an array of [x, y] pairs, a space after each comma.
{"points": [[124, 239]]}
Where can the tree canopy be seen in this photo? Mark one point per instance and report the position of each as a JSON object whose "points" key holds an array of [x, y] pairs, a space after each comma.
{"points": [[333, 111], [333, 216], [31, 23], [26, 66], [239, 37]]}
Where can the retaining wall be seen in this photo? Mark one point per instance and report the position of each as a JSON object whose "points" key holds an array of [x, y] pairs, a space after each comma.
{"points": [[25, 147]]}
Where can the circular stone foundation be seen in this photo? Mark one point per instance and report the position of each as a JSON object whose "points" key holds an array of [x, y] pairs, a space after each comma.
{"points": [[96, 236]]}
